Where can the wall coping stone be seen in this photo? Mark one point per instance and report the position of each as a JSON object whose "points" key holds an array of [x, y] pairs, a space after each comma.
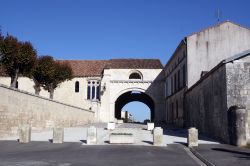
{"points": [[41, 97]]}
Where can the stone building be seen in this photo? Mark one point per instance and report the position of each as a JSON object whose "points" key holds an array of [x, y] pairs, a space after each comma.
{"points": [[196, 55], [207, 74], [105, 86]]}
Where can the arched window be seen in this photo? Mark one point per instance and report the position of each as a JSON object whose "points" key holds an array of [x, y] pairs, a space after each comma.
{"points": [[135, 76], [93, 90], [77, 86]]}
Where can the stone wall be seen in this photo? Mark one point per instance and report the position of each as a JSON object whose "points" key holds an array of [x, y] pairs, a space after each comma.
{"points": [[209, 47], [238, 86], [21, 107], [206, 106], [208, 101]]}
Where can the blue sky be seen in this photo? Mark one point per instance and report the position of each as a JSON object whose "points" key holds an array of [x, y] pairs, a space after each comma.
{"points": [[105, 29]]}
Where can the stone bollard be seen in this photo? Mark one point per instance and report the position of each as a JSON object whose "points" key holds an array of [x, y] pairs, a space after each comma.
{"points": [[111, 126], [192, 139], [120, 121], [91, 135], [237, 121], [150, 126], [24, 133], [58, 135], [158, 136]]}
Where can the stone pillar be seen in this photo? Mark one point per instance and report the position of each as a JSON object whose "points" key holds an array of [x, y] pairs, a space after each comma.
{"points": [[58, 135], [192, 139], [92, 135], [24, 133], [158, 136], [237, 121]]}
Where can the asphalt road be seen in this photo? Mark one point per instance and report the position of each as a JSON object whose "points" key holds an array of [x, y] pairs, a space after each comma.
{"points": [[67, 154]]}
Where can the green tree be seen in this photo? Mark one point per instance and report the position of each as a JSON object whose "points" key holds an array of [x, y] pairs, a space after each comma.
{"points": [[18, 58], [49, 73]]}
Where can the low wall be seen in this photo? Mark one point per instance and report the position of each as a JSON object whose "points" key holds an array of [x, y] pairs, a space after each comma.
{"points": [[206, 105], [20, 107]]}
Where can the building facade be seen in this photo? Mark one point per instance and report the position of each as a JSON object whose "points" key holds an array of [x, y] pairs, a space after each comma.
{"points": [[106, 86], [196, 55]]}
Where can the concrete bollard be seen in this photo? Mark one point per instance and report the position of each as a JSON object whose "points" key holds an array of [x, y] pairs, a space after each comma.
{"points": [[237, 121], [120, 121], [24, 133], [192, 139], [158, 136], [91, 135], [58, 135], [111, 126], [150, 126]]}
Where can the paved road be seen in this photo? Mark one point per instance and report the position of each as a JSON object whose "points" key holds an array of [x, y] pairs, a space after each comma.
{"points": [[141, 135], [67, 154]]}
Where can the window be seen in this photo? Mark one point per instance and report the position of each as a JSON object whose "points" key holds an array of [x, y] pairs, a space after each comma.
{"points": [[179, 79], [166, 88], [172, 85], [88, 92], [184, 75], [135, 76], [177, 111], [98, 91], [77, 86], [93, 90], [175, 83]]}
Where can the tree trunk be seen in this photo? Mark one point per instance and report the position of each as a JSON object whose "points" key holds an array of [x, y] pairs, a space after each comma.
{"points": [[37, 87], [51, 93], [14, 79]]}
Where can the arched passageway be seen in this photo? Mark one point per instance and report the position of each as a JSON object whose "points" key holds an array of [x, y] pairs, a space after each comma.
{"points": [[130, 96]]}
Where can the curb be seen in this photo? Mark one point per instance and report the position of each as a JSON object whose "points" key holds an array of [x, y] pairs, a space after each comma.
{"points": [[199, 156]]}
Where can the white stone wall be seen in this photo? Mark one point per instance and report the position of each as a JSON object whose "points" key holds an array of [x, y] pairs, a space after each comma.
{"points": [[20, 107], [208, 48], [117, 83]]}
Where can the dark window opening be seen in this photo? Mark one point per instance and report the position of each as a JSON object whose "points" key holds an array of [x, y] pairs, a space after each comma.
{"points": [[184, 75], [98, 92], [77, 86], [134, 76], [177, 111], [88, 92], [93, 92], [179, 79]]}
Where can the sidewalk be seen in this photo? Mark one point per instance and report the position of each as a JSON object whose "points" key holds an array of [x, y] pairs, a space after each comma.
{"points": [[224, 155]]}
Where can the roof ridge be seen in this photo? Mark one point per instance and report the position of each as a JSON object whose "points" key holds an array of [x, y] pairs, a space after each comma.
{"points": [[218, 24]]}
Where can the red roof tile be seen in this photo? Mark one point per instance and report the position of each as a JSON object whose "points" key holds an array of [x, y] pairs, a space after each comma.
{"points": [[84, 68]]}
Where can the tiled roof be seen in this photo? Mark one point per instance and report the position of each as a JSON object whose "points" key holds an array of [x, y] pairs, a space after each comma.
{"points": [[90, 68], [84, 68], [134, 64]]}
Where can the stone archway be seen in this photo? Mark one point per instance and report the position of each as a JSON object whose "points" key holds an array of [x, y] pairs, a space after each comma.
{"points": [[130, 96]]}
